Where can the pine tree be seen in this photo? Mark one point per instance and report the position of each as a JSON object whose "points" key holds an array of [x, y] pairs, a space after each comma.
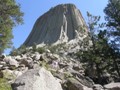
{"points": [[97, 56], [10, 16], [112, 11]]}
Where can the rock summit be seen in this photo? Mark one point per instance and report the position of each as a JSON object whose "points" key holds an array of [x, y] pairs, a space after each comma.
{"points": [[60, 24]]}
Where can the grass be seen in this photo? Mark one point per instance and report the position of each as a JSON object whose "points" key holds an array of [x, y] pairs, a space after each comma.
{"points": [[4, 85]]}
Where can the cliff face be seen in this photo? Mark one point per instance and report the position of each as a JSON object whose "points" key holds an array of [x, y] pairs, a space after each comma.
{"points": [[60, 24]]}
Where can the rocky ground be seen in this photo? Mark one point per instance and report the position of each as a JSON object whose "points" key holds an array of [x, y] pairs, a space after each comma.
{"points": [[48, 71]]}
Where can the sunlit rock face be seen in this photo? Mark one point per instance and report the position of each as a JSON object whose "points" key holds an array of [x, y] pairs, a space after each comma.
{"points": [[60, 24]]}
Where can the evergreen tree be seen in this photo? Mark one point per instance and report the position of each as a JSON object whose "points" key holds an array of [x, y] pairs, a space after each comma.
{"points": [[10, 16], [99, 49], [97, 56], [112, 11]]}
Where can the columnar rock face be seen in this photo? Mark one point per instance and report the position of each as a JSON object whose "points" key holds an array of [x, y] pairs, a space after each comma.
{"points": [[60, 24]]}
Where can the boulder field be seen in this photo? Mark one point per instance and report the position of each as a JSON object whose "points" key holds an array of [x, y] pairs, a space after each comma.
{"points": [[48, 71]]}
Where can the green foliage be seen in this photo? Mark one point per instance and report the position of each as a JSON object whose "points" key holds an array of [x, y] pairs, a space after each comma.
{"points": [[81, 29], [40, 50], [4, 85], [102, 55], [21, 50], [67, 75], [112, 11], [14, 52], [45, 65], [10, 15], [53, 49], [98, 55], [34, 47], [56, 48]]}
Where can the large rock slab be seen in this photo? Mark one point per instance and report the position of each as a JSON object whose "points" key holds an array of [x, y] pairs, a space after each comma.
{"points": [[36, 79]]}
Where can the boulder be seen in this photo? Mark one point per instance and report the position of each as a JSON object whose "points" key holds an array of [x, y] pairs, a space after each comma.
{"points": [[36, 79], [18, 57], [9, 60], [8, 74], [36, 56], [1, 66], [87, 88], [2, 63], [97, 87], [24, 62], [77, 67], [112, 86], [82, 79], [73, 84]]}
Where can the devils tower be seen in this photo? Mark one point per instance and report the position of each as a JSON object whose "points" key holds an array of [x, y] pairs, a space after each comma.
{"points": [[60, 24]]}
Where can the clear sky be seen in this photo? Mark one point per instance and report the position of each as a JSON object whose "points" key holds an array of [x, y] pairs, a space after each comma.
{"points": [[35, 8]]}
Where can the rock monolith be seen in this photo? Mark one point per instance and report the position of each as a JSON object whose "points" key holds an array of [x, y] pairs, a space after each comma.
{"points": [[60, 24]]}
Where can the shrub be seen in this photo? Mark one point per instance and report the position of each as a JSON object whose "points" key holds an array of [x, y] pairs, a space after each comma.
{"points": [[56, 48], [34, 47], [20, 50], [40, 50]]}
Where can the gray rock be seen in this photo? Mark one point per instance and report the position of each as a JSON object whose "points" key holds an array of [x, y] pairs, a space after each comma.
{"points": [[112, 86], [17, 73], [82, 79], [63, 65], [21, 67], [1, 66], [47, 50], [74, 84], [24, 62], [37, 57], [18, 58], [36, 66], [36, 79], [2, 63], [97, 87], [77, 67], [9, 60], [24, 56], [86, 88]]}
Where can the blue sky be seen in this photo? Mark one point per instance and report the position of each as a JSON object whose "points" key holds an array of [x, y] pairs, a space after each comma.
{"points": [[35, 8]]}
